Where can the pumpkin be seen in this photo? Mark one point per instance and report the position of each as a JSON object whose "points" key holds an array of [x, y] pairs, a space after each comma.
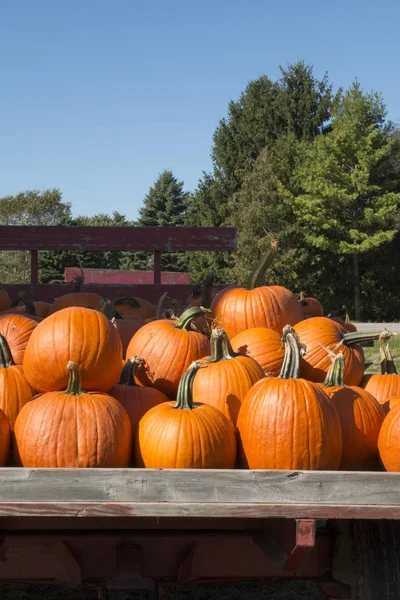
{"points": [[168, 347], [25, 307], [311, 307], [77, 297], [390, 404], [136, 307], [321, 333], [15, 391], [386, 384], [236, 309], [136, 400], [389, 440], [361, 418], [17, 329], [224, 378], [5, 439], [73, 429], [346, 324], [185, 435], [262, 344], [204, 322], [42, 308], [5, 301], [81, 335], [287, 422]]}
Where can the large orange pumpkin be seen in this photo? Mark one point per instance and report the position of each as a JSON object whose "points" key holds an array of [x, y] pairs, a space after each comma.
{"points": [[224, 378], [262, 344], [311, 307], [321, 333], [185, 435], [17, 329], [5, 300], [386, 384], [73, 429], [136, 400], [77, 298], [15, 391], [168, 347], [287, 422], [361, 417], [81, 335], [236, 309], [389, 440]]}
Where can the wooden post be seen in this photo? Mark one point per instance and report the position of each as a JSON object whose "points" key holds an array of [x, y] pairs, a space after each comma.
{"points": [[157, 267], [34, 266]]}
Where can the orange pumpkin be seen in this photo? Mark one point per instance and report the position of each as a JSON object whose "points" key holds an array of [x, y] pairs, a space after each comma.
{"points": [[5, 439], [262, 344], [73, 429], [287, 422], [82, 335], [390, 404], [361, 417], [168, 347], [42, 309], [5, 301], [389, 440], [185, 435], [26, 307], [321, 333], [17, 329], [224, 378], [346, 324], [137, 307], [386, 384], [15, 391], [136, 400], [311, 307], [239, 308], [77, 298]]}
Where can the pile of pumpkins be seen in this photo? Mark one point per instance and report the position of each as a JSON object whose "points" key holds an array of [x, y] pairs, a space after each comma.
{"points": [[249, 377]]}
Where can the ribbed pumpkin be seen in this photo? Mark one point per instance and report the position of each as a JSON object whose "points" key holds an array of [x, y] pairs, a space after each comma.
{"points": [[390, 404], [136, 400], [5, 300], [236, 309], [224, 378], [311, 307], [15, 391], [73, 429], [262, 344], [77, 298], [81, 335], [287, 422], [321, 333], [168, 347], [185, 435], [17, 329], [389, 440], [361, 417], [386, 384]]}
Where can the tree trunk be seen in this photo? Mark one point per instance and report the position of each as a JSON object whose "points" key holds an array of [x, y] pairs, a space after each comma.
{"points": [[357, 289]]}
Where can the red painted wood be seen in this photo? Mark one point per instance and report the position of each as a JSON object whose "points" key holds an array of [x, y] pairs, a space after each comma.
{"points": [[157, 268], [116, 276], [167, 239]]}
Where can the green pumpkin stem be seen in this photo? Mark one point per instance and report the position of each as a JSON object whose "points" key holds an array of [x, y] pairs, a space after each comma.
{"points": [[257, 276], [184, 396], [74, 382], [207, 290], [128, 371], [294, 351], [29, 306], [187, 317], [335, 375], [355, 337], [110, 311], [387, 363], [6, 359], [221, 348]]}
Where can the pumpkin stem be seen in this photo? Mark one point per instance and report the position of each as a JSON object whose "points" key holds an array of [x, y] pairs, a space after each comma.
{"points": [[187, 317], [355, 337], [110, 311], [335, 374], [184, 396], [29, 306], [133, 302], [128, 371], [78, 282], [160, 306], [6, 359], [196, 291], [74, 383], [207, 290], [257, 276], [221, 348], [294, 351], [387, 362]]}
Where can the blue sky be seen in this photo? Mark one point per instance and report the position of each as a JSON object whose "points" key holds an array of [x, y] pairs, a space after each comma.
{"points": [[99, 96]]}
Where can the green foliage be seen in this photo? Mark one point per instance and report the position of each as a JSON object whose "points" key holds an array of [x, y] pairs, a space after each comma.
{"points": [[165, 204]]}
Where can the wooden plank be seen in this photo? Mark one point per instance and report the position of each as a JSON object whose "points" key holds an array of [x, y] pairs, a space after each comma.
{"points": [[157, 268], [34, 266], [168, 239], [151, 292], [201, 493]]}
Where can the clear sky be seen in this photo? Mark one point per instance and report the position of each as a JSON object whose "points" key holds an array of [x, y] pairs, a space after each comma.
{"points": [[99, 96]]}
